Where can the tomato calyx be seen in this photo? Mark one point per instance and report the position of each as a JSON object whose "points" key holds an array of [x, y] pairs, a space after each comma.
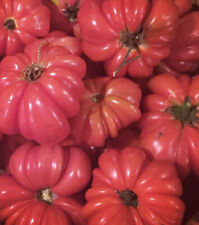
{"points": [[132, 40], [71, 12], [128, 197], [45, 195], [186, 112], [98, 98], [10, 24], [33, 72]]}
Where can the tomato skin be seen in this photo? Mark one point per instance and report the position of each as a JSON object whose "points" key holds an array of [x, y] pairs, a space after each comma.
{"points": [[107, 105], [37, 167], [184, 55], [102, 24], [164, 136], [130, 169], [32, 20], [60, 38], [28, 107]]}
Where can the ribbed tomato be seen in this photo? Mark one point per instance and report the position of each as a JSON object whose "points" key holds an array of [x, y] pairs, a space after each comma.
{"points": [[42, 182], [170, 125], [39, 90], [21, 22], [106, 106], [128, 189], [129, 36]]}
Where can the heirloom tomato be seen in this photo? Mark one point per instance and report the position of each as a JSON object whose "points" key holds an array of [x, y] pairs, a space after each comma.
{"points": [[128, 189], [106, 106], [21, 21], [184, 55], [170, 125], [42, 182], [130, 36], [39, 91]]}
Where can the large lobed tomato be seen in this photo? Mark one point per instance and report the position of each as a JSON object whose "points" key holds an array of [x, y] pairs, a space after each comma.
{"points": [[184, 55], [170, 125], [21, 21], [128, 189], [130, 36], [42, 182], [106, 106], [39, 90]]}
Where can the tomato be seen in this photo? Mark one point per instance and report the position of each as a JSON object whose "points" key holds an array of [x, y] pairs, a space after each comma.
{"points": [[129, 36], [39, 91], [128, 189], [170, 124], [21, 21], [184, 55], [42, 182], [106, 106]]}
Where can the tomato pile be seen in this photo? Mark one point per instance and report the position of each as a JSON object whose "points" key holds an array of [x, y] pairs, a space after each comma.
{"points": [[99, 112]]}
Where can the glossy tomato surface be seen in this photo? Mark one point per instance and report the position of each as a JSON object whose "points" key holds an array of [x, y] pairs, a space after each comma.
{"points": [[39, 91], [170, 125], [128, 189], [106, 106], [42, 182], [21, 22], [129, 36]]}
